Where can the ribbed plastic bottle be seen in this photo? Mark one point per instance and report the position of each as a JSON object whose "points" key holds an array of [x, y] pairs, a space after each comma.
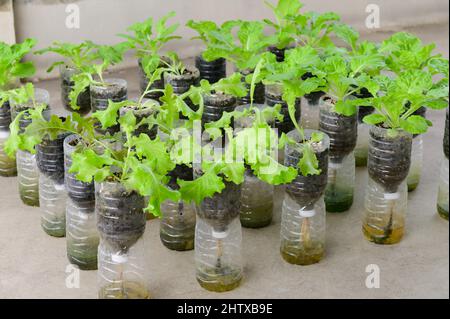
{"points": [[218, 238], [442, 204], [7, 164], [215, 105], [182, 83], [256, 203], [27, 170], [303, 217], [122, 253], [386, 192], [212, 71], [81, 222], [342, 131], [67, 85], [52, 191], [114, 90], [177, 226], [146, 110], [257, 196]]}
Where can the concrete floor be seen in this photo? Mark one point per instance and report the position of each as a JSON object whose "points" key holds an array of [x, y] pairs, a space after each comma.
{"points": [[33, 265]]}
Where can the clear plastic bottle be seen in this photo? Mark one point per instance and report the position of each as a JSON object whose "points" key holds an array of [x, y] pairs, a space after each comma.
{"points": [[303, 217], [342, 131], [387, 191], [81, 222], [115, 90], [442, 205], [310, 110], [385, 213], [302, 232], [341, 184], [27, 170], [7, 164], [256, 208], [177, 227], [257, 197], [415, 171], [52, 191], [28, 178], [122, 253], [218, 238], [52, 199]]}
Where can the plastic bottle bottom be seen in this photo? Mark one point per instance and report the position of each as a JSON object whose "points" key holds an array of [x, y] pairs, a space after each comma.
{"points": [[219, 279], [302, 254], [124, 290]]}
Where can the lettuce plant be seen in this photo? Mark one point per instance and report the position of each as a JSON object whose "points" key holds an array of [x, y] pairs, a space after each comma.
{"points": [[285, 25], [290, 75], [148, 38], [103, 57], [400, 97], [404, 51], [213, 36], [12, 68], [240, 42], [78, 56]]}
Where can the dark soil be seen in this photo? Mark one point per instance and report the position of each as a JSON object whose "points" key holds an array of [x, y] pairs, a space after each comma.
{"points": [[50, 158], [211, 71], [222, 208], [121, 219], [363, 111], [343, 133], [306, 190], [389, 160], [279, 53], [182, 172]]}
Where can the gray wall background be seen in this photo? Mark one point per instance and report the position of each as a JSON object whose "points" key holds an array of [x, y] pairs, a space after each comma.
{"points": [[101, 20]]}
